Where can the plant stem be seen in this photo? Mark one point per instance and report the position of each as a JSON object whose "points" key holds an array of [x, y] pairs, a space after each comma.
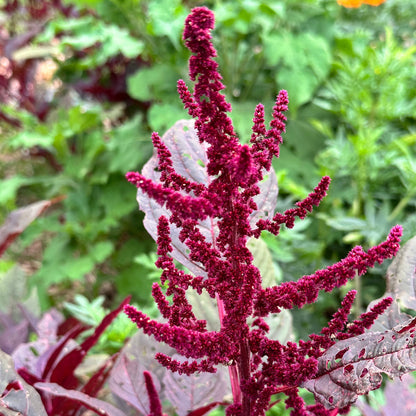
{"points": [[232, 369], [244, 367]]}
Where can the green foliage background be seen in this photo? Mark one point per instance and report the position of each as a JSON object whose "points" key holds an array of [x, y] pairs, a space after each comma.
{"points": [[351, 78], [350, 74]]}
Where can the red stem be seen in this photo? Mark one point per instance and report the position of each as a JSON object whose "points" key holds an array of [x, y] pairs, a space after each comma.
{"points": [[232, 369], [244, 368]]}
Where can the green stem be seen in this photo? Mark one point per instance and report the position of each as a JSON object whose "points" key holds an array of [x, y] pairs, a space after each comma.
{"points": [[401, 205]]}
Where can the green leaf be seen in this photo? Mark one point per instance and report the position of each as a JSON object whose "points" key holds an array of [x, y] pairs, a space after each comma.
{"points": [[27, 139], [153, 83], [262, 259], [299, 82], [164, 116], [101, 251], [166, 18], [117, 40], [77, 268], [317, 52], [10, 186], [130, 145], [345, 223], [34, 52], [83, 3], [116, 198], [276, 47], [81, 119], [305, 61]]}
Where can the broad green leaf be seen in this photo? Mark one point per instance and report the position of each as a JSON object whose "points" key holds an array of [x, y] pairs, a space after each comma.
{"points": [[300, 83], [117, 40], [129, 146], [166, 18], [276, 47], [101, 251], [262, 259], [345, 223], [29, 139], [164, 116], [10, 186], [77, 268], [148, 84]]}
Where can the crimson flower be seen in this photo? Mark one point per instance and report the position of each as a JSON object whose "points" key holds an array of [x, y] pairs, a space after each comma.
{"points": [[259, 367]]}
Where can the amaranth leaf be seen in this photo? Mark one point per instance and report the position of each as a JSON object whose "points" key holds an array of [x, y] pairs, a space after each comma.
{"points": [[354, 366], [401, 286], [98, 406], [192, 392], [17, 398]]}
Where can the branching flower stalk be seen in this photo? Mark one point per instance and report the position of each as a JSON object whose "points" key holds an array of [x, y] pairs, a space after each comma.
{"points": [[258, 366]]}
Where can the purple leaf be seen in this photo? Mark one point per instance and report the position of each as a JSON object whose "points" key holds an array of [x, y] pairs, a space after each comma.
{"points": [[394, 389], [16, 396], [189, 160], [95, 383], [12, 334], [34, 356], [127, 382], [401, 283], [144, 348], [390, 318], [18, 220], [47, 328], [137, 356], [187, 393], [98, 406], [400, 388], [354, 366], [401, 275]]}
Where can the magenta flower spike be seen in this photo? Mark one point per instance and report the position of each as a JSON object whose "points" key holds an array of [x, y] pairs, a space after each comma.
{"points": [[259, 367]]}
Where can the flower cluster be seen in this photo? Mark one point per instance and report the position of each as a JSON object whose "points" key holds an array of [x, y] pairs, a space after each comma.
{"points": [[259, 367]]}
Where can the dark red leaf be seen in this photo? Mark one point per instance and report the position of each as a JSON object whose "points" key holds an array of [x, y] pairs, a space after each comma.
{"points": [[63, 371], [66, 372], [80, 399], [205, 409], [91, 388]]}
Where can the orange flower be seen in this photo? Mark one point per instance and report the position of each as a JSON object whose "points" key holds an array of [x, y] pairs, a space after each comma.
{"points": [[358, 3]]}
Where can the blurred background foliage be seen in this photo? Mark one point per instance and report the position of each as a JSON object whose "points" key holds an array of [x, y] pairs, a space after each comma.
{"points": [[84, 82]]}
